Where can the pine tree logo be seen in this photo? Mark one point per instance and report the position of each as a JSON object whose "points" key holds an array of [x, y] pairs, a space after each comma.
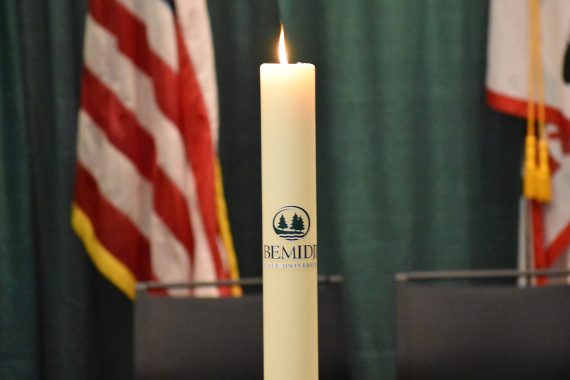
{"points": [[291, 223]]}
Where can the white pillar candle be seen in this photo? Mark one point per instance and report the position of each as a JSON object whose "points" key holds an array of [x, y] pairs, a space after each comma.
{"points": [[290, 326]]}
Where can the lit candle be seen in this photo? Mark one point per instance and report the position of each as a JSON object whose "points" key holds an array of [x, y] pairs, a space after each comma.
{"points": [[290, 326]]}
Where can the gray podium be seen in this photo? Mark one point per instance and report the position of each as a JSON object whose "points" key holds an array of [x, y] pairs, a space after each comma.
{"points": [[222, 338], [459, 326]]}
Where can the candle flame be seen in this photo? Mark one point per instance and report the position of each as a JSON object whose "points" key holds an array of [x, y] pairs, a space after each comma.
{"points": [[282, 49]]}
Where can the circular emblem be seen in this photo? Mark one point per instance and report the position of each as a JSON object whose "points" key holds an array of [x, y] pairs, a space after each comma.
{"points": [[291, 223]]}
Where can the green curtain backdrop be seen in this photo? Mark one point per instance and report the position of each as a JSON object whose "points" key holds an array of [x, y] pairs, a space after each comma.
{"points": [[59, 319], [18, 309], [414, 171]]}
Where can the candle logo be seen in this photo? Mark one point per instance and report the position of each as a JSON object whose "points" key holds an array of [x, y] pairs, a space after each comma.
{"points": [[291, 223]]}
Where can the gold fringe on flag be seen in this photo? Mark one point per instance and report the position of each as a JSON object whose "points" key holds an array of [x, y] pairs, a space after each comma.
{"points": [[225, 231]]}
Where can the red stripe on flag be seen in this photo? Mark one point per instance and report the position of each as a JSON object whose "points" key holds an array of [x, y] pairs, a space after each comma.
{"points": [[558, 246], [132, 40], [518, 107], [198, 140], [117, 122], [114, 230], [507, 104], [126, 134], [171, 205]]}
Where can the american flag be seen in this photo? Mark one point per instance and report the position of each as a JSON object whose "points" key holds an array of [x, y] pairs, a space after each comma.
{"points": [[547, 244], [148, 199]]}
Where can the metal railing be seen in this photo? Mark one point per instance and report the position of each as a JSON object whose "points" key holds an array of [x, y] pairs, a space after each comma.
{"points": [[478, 274], [251, 281]]}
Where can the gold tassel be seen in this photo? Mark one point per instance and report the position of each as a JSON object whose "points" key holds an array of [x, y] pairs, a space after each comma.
{"points": [[530, 170], [543, 185], [536, 181]]}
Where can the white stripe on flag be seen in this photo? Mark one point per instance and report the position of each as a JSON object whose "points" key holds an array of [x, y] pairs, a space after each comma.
{"points": [[170, 261], [557, 213]]}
